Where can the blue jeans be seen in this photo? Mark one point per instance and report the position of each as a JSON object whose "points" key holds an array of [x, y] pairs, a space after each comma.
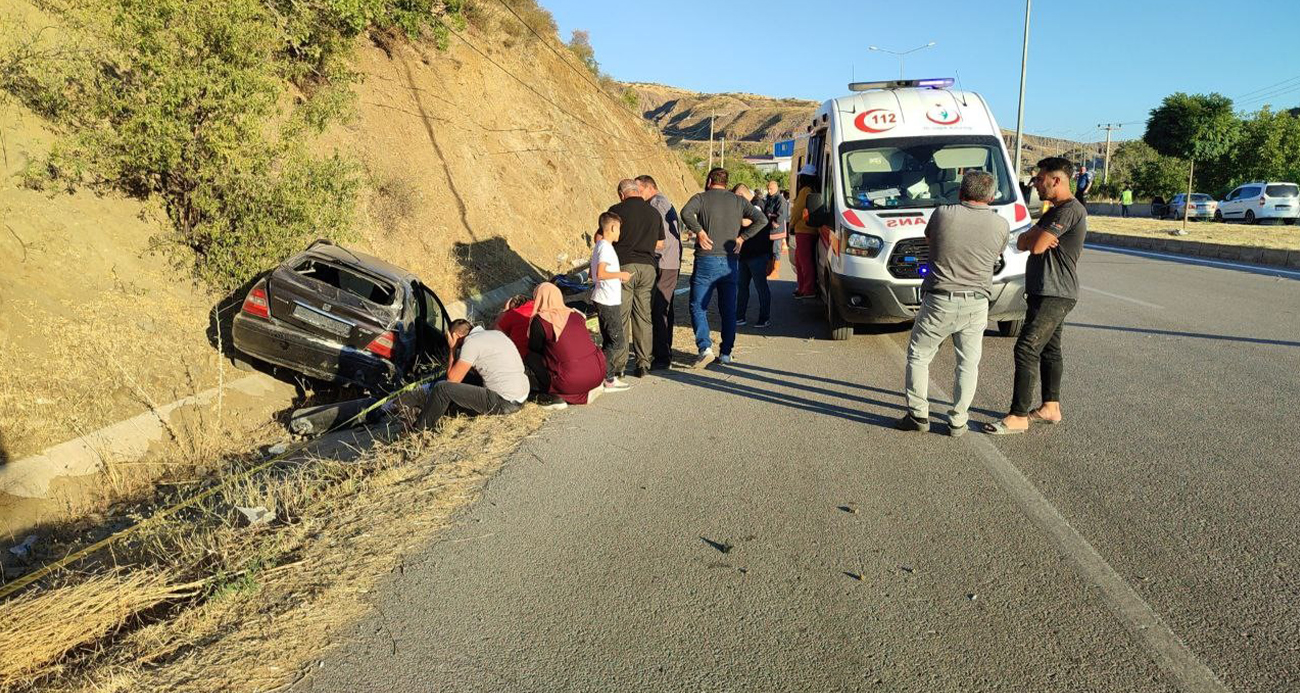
{"points": [[754, 269], [714, 272]]}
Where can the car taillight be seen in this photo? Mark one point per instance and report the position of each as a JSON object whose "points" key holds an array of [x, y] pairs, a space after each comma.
{"points": [[1022, 212], [383, 345], [255, 303]]}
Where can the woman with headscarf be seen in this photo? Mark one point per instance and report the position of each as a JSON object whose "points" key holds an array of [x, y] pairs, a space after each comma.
{"points": [[558, 336]]}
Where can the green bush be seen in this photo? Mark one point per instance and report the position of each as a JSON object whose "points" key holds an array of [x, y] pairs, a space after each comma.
{"points": [[189, 101]]}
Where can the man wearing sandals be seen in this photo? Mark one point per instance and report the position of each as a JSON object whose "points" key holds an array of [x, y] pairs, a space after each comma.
{"points": [[965, 242], [1052, 283]]}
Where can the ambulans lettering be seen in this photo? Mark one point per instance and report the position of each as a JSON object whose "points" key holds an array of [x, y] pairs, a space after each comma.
{"points": [[876, 120], [906, 221]]}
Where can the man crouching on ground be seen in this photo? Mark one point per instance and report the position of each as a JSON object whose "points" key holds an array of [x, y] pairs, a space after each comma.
{"points": [[965, 242], [495, 358]]}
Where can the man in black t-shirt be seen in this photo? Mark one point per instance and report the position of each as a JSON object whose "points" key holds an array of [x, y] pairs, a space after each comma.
{"points": [[1052, 285], [641, 236]]}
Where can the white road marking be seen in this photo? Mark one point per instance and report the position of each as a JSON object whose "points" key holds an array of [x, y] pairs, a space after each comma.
{"points": [[1188, 259], [1123, 298], [1143, 624]]}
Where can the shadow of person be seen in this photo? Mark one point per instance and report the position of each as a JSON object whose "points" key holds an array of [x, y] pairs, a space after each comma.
{"points": [[490, 263], [787, 400], [4, 451]]}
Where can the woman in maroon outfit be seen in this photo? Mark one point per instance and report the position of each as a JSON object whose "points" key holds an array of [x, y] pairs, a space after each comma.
{"points": [[558, 334]]}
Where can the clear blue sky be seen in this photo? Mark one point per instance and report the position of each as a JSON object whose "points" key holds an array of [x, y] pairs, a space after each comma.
{"points": [[1090, 61]]}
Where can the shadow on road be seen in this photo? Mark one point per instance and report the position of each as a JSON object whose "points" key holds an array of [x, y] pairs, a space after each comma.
{"points": [[1194, 335], [780, 398]]}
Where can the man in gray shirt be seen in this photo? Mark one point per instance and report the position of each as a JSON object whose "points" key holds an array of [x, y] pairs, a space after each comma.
{"points": [[496, 360], [717, 218], [965, 242], [670, 264]]}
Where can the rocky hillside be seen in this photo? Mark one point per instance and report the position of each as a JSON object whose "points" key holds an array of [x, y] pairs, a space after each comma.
{"points": [[751, 123]]}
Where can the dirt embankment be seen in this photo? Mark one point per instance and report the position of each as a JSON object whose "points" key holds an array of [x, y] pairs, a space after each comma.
{"points": [[485, 163]]}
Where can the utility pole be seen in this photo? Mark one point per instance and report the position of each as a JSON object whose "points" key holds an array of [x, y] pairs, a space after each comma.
{"points": [[724, 151], [711, 117], [1108, 127], [1020, 110]]}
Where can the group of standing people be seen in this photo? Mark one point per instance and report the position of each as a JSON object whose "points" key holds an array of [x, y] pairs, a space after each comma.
{"points": [[965, 241]]}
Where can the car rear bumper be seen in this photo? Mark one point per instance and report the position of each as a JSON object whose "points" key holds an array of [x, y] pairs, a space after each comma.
{"points": [[867, 301], [265, 340]]}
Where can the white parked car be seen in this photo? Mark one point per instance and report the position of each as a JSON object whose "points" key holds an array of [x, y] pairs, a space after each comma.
{"points": [[1252, 202]]}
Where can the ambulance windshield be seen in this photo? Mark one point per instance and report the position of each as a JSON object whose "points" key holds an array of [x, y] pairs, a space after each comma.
{"points": [[917, 172]]}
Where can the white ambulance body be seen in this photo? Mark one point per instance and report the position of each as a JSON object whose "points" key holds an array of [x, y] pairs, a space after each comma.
{"points": [[886, 157]]}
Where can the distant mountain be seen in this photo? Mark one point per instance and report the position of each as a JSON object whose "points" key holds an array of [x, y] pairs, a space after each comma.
{"points": [[751, 123]]}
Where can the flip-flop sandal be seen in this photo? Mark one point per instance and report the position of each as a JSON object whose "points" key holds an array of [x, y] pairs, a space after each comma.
{"points": [[1034, 418], [999, 428]]}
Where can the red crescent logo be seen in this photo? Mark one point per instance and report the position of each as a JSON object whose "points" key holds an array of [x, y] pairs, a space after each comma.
{"points": [[941, 115], [883, 122]]}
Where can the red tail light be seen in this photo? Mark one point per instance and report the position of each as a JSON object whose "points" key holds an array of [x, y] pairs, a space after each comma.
{"points": [[1022, 212], [382, 345], [255, 303]]}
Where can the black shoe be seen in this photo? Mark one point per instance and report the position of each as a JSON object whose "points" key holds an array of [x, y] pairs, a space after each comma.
{"points": [[661, 365], [911, 423], [550, 402], [640, 371]]}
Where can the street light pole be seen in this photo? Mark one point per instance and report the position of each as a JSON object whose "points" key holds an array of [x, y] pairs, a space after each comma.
{"points": [[1020, 110], [900, 55], [1108, 127]]}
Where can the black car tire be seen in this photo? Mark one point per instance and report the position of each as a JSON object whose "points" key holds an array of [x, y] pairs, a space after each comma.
{"points": [[1218, 215], [1010, 328], [840, 329], [1289, 222], [1250, 217]]}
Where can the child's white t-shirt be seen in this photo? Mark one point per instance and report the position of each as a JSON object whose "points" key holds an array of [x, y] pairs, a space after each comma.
{"points": [[607, 292]]}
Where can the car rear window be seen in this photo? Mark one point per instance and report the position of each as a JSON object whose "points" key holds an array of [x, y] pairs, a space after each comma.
{"points": [[349, 281], [1282, 190], [1200, 197]]}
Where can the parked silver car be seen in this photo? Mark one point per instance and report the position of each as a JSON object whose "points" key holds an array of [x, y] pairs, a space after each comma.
{"points": [[1203, 206]]}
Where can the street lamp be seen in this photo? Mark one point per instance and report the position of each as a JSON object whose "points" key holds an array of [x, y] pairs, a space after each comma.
{"points": [[1020, 110], [899, 54]]}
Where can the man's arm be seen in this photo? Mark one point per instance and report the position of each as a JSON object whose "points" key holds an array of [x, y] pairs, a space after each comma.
{"points": [[458, 371], [691, 215], [758, 220]]}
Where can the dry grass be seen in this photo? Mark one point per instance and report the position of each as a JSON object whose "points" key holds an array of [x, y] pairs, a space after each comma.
{"points": [[1262, 236], [339, 527], [34, 640]]}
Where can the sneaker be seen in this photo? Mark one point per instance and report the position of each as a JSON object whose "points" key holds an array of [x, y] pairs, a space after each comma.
{"points": [[704, 359], [661, 365], [550, 402], [640, 371], [615, 385], [761, 324], [725, 359], [956, 431], [912, 424], [741, 322]]}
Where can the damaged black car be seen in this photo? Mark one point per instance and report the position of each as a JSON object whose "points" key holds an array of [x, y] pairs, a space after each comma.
{"points": [[344, 317]]}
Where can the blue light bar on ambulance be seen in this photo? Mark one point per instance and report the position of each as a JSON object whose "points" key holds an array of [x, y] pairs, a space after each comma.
{"points": [[936, 83]]}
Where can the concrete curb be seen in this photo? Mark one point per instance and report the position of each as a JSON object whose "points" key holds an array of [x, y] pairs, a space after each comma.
{"points": [[1254, 255]]}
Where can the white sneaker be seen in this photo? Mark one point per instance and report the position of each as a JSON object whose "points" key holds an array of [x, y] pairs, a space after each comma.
{"points": [[616, 385], [704, 359], [725, 359]]}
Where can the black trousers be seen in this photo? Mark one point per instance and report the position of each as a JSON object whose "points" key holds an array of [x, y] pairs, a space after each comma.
{"points": [[473, 399], [1038, 352], [613, 341], [661, 314]]}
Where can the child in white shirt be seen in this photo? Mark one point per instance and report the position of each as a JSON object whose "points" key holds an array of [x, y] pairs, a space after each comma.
{"points": [[607, 295]]}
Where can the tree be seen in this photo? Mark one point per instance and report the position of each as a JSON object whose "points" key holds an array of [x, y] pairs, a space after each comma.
{"points": [[580, 44], [1268, 149], [1195, 127]]}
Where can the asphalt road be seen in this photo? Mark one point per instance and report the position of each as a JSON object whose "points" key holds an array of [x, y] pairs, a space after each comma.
{"points": [[759, 527]]}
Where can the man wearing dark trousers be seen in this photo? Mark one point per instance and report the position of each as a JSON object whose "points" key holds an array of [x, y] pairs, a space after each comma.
{"points": [[642, 235], [1052, 285], [495, 358], [670, 264]]}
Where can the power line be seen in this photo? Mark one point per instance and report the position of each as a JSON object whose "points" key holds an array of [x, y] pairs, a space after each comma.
{"points": [[1259, 100], [1256, 91]]}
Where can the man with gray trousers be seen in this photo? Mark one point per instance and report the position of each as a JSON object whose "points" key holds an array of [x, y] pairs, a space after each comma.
{"points": [[670, 264], [641, 237], [965, 241]]}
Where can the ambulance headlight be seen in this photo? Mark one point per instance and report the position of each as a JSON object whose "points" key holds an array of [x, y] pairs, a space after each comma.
{"points": [[863, 245]]}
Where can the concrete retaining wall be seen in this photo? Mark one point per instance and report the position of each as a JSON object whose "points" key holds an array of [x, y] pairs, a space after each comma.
{"points": [[1111, 209], [1219, 251]]}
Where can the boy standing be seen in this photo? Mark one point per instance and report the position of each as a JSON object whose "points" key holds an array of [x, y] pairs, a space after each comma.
{"points": [[607, 295]]}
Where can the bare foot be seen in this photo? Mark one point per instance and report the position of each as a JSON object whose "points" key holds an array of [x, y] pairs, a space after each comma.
{"points": [[1045, 415]]}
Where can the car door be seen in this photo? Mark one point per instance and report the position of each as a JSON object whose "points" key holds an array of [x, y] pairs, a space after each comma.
{"points": [[432, 324], [1231, 206]]}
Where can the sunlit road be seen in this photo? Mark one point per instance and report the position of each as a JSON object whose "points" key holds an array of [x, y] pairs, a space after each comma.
{"points": [[759, 527]]}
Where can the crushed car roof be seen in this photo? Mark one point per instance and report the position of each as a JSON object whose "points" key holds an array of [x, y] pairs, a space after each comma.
{"points": [[372, 264]]}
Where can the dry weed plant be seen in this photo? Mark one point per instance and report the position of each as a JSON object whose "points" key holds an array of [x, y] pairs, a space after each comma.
{"points": [[338, 528]]}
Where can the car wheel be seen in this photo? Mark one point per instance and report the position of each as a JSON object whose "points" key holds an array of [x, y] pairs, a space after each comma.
{"points": [[1218, 216], [840, 329], [1250, 216], [1289, 222], [1010, 328]]}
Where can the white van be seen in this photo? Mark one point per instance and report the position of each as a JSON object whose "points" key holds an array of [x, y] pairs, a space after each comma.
{"points": [[886, 157]]}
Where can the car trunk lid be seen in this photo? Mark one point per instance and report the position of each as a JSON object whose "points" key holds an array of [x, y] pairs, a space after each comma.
{"points": [[339, 304]]}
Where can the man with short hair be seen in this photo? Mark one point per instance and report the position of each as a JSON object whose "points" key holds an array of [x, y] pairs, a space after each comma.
{"points": [[752, 262], [670, 263], [1052, 284], [777, 208], [717, 218], [494, 357], [641, 235], [1084, 185], [965, 242]]}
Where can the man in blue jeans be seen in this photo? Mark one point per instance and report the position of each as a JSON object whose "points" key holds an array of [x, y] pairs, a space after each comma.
{"points": [[753, 260], [716, 217]]}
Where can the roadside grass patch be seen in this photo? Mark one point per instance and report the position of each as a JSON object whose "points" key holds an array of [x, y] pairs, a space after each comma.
{"points": [[1261, 235]]}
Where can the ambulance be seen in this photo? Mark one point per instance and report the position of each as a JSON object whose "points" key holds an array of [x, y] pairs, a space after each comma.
{"points": [[886, 157]]}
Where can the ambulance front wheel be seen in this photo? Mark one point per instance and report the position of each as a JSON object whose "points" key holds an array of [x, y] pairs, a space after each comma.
{"points": [[839, 327]]}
